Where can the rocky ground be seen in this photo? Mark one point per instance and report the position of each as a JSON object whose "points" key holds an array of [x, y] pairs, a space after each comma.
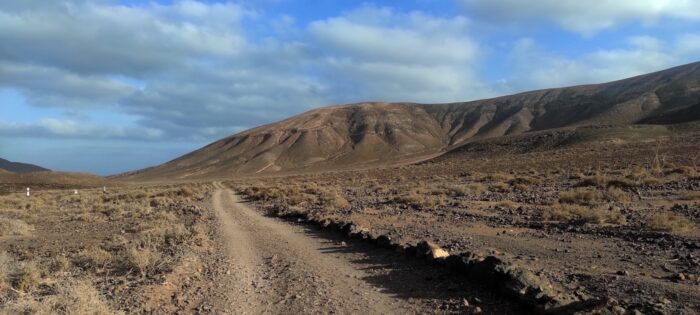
{"points": [[605, 220]]}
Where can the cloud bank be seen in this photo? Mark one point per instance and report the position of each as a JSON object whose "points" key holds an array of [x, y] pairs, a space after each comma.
{"points": [[192, 71]]}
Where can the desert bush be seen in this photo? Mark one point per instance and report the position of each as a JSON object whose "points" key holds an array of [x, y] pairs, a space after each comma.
{"points": [[92, 257], [464, 190], [573, 212], [28, 277], [497, 177], [508, 204], [8, 268], [419, 200], [499, 186], [580, 196], [690, 195], [143, 260], [73, 297], [668, 222], [14, 227], [525, 180], [59, 264], [682, 170], [334, 200], [79, 297], [409, 198], [616, 194], [185, 192], [596, 179]]}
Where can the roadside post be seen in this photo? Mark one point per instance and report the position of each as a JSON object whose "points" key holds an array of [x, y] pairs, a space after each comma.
{"points": [[27, 191]]}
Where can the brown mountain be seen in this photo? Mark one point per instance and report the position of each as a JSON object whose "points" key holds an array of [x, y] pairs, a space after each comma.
{"points": [[374, 134], [16, 167]]}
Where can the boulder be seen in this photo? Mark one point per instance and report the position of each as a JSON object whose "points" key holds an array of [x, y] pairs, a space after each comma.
{"points": [[431, 250]]}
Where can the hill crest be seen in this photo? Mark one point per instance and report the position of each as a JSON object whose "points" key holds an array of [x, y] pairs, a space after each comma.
{"points": [[376, 133]]}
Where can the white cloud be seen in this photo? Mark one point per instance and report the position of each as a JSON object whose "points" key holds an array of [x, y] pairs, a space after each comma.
{"points": [[53, 128], [585, 17], [533, 67], [379, 54]]}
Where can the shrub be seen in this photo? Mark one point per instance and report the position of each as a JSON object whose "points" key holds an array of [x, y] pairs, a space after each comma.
{"points": [[28, 277], [570, 212], [92, 257], [668, 222], [464, 190], [500, 186], [580, 196], [616, 194], [143, 260], [690, 195], [508, 204], [78, 297], [498, 177], [14, 227], [525, 180], [334, 200]]}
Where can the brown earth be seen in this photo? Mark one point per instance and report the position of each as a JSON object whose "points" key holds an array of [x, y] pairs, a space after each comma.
{"points": [[18, 182], [380, 134], [599, 213]]}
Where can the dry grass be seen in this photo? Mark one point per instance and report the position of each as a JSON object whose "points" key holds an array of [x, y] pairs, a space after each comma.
{"points": [[669, 222], [14, 227], [466, 189], [573, 212], [27, 278], [581, 196], [418, 200], [690, 195], [155, 228], [615, 194]]}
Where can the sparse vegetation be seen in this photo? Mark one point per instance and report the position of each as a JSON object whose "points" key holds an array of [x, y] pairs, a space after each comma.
{"points": [[115, 236], [581, 196], [574, 212], [669, 222], [14, 227]]}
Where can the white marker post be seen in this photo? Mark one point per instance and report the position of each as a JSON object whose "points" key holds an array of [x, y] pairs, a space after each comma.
{"points": [[75, 192], [104, 189], [27, 191]]}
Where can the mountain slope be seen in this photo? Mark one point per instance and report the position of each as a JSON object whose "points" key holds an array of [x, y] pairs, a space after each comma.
{"points": [[372, 134], [16, 167]]}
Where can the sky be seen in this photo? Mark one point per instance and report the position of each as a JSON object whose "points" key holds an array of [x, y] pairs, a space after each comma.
{"points": [[108, 86]]}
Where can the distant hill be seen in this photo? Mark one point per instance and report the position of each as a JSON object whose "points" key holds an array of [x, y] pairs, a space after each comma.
{"points": [[374, 134], [16, 167]]}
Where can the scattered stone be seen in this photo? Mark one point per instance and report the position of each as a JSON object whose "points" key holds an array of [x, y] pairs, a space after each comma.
{"points": [[619, 310], [427, 248], [476, 310], [680, 277], [623, 272]]}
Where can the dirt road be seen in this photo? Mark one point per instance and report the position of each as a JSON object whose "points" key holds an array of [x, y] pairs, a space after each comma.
{"points": [[276, 267]]}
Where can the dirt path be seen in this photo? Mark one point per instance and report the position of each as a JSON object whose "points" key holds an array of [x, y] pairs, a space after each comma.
{"points": [[278, 270], [281, 268]]}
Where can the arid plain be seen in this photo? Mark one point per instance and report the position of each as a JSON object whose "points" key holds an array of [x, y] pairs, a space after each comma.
{"points": [[562, 201]]}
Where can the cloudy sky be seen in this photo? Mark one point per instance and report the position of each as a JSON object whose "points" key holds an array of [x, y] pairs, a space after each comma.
{"points": [[107, 86]]}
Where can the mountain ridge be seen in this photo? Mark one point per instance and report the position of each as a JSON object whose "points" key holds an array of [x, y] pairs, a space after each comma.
{"points": [[379, 133], [17, 167]]}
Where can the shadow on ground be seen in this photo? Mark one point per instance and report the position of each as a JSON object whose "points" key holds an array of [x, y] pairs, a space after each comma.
{"points": [[412, 278]]}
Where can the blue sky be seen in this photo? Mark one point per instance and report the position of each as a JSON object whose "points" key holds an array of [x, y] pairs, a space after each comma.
{"points": [[108, 86]]}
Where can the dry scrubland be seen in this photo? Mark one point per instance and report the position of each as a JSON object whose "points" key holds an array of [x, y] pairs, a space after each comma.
{"points": [[119, 252], [604, 219]]}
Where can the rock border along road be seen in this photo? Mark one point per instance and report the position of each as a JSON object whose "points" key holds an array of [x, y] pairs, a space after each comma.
{"points": [[277, 268]]}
